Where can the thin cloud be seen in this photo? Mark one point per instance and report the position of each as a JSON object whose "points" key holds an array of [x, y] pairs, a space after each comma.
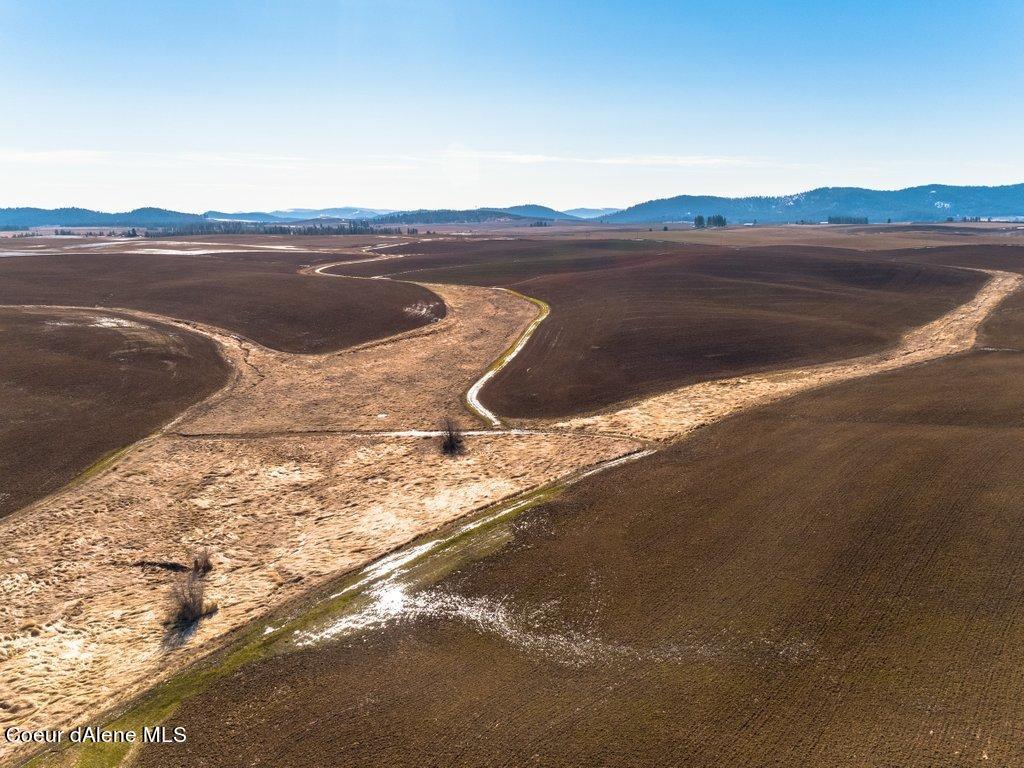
{"points": [[653, 161], [53, 156], [380, 162]]}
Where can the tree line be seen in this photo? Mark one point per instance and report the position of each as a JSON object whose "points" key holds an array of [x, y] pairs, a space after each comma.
{"points": [[251, 228], [717, 220]]}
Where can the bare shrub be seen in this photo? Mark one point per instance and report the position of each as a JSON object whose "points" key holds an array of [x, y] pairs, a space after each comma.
{"points": [[188, 601], [452, 442], [201, 562]]}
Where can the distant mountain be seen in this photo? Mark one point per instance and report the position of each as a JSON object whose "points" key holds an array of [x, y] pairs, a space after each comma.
{"points": [[160, 217], [255, 216], [538, 212], [82, 217], [349, 212], [590, 213], [447, 216], [932, 202]]}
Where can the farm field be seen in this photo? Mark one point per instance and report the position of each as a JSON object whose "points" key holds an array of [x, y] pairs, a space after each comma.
{"points": [[827, 578], [313, 460], [632, 319], [79, 384], [874, 237], [256, 294]]}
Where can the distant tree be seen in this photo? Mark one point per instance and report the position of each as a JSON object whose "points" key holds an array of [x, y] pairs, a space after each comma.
{"points": [[698, 222], [718, 220], [664, 229]]}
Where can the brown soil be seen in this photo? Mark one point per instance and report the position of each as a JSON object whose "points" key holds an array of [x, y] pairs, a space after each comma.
{"points": [[282, 513], [78, 384], [680, 411], [832, 580], [874, 237], [630, 320], [288, 502], [258, 295]]}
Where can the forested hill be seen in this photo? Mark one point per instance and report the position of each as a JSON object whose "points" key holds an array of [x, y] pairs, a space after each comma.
{"points": [[932, 202], [82, 217], [447, 216]]}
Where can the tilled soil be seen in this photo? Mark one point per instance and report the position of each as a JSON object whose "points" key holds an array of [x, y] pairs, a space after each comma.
{"points": [[292, 500], [78, 384], [678, 412], [258, 294], [833, 580], [632, 319], [284, 506]]}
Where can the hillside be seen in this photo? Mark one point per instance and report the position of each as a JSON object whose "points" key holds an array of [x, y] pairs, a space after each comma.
{"points": [[345, 212], [446, 216], [252, 216], [538, 212], [590, 213], [932, 202], [82, 217]]}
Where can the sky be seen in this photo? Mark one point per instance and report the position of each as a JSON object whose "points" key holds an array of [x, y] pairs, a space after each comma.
{"points": [[243, 106]]}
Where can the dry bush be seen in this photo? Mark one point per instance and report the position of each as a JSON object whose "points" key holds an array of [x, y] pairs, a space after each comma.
{"points": [[452, 442], [201, 562], [188, 600]]}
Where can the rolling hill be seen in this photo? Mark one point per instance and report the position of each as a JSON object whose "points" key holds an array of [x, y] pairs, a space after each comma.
{"points": [[447, 216], [83, 217], [538, 212], [590, 213], [932, 202], [345, 212]]}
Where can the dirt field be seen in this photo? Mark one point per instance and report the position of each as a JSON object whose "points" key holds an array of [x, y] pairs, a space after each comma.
{"points": [[629, 320], [829, 581], [76, 385], [258, 295], [678, 412], [875, 237], [282, 513], [307, 466]]}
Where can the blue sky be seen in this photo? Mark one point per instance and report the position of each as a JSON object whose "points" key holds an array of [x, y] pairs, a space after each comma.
{"points": [[257, 105]]}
